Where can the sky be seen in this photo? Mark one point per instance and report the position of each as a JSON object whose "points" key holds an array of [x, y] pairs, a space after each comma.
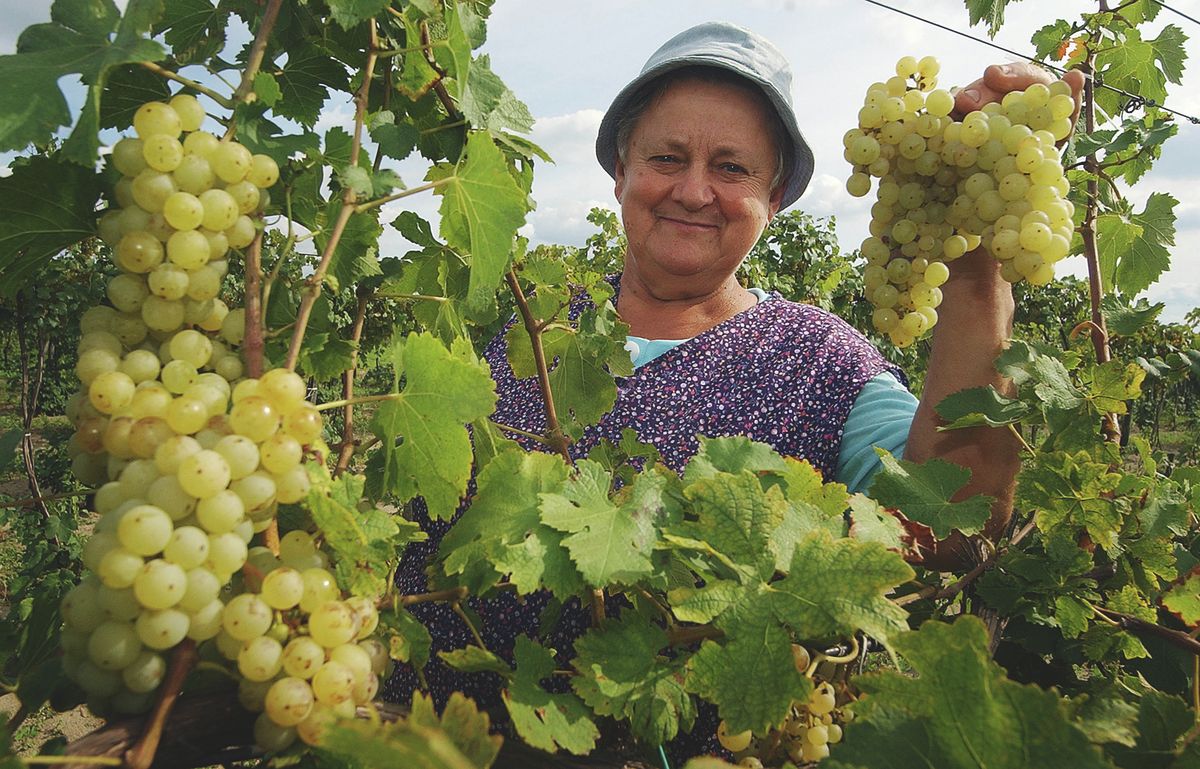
{"points": [[567, 59]]}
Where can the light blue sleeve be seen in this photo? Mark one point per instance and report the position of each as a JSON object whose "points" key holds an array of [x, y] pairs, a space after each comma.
{"points": [[880, 416]]}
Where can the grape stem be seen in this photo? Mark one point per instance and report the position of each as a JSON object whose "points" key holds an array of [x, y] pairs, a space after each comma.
{"points": [[346, 450], [1109, 427], [183, 658], [518, 431], [1024, 444], [72, 760], [840, 659], [314, 281], [377, 202], [258, 50], [457, 608], [554, 433], [454, 594], [439, 85], [224, 101]]}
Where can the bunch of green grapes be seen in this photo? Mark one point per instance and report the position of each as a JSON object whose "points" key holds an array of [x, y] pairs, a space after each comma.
{"points": [[946, 187], [805, 736], [190, 458], [306, 654]]}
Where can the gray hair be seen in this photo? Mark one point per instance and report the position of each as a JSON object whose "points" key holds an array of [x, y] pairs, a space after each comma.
{"points": [[641, 101]]}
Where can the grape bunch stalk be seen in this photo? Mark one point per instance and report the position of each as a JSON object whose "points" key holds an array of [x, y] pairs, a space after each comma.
{"points": [[191, 458], [945, 187]]}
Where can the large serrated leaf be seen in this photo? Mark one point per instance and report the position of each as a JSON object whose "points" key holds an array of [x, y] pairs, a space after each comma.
{"points": [[47, 206], [923, 493], [482, 208], [443, 392], [1134, 248], [605, 541], [544, 720], [959, 712], [88, 39]]}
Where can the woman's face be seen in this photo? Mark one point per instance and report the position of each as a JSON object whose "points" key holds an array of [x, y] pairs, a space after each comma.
{"points": [[695, 187]]}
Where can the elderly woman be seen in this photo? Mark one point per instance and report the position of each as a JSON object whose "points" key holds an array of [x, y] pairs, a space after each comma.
{"points": [[704, 149]]}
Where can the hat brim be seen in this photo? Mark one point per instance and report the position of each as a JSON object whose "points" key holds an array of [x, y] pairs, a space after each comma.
{"points": [[802, 156]]}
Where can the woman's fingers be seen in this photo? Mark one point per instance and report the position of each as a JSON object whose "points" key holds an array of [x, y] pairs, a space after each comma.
{"points": [[999, 79]]}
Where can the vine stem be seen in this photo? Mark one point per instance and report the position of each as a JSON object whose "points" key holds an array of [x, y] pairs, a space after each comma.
{"points": [[1140, 626], [439, 85], [1024, 444], [314, 281], [258, 50], [141, 755], [344, 402], [1110, 427], [454, 594], [554, 433], [518, 431], [35, 501], [72, 760], [457, 608], [346, 450], [224, 101], [377, 202], [942, 593]]}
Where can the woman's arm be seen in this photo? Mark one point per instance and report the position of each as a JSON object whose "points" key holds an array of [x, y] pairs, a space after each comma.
{"points": [[974, 322]]}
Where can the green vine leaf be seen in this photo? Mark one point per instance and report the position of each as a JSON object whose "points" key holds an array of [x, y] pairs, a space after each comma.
{"points": [[605, 541], [364, 541], [990, 12], [47, 206], [501, 533], [622, 674], [459, 739], [482, 207], [84, 38], [1183, 599], [959, 712], [1134, 247], [923, 493], [443, 392], [981, 406], [348, 13], [544, 720]]}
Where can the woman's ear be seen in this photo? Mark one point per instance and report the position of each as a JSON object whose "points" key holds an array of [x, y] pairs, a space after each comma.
{"points": [[619, 180]]}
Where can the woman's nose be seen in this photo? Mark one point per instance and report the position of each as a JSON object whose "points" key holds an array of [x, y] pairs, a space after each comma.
{"points": [[693, 188]]}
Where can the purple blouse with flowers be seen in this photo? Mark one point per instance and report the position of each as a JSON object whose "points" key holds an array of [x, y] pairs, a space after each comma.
{"points": [[782, 373]]}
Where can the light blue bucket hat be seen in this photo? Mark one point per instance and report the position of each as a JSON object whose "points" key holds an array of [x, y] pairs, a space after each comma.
{"points": [[730, 47]]}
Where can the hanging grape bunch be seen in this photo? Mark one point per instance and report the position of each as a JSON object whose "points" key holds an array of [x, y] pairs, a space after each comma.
{"points": [[946, 187], [191, 459], [811, 726]]}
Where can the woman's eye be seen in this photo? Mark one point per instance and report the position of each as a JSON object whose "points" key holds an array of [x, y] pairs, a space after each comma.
{"points": [[733, 168], [663, 158]]}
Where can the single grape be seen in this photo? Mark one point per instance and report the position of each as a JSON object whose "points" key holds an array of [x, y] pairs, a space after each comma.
{"points": [[189, 110], [289, 701], [246, 617], [734, 743]]}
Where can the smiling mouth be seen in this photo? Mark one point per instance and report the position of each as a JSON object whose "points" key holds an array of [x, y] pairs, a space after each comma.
{"points": [[689, 224]]}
